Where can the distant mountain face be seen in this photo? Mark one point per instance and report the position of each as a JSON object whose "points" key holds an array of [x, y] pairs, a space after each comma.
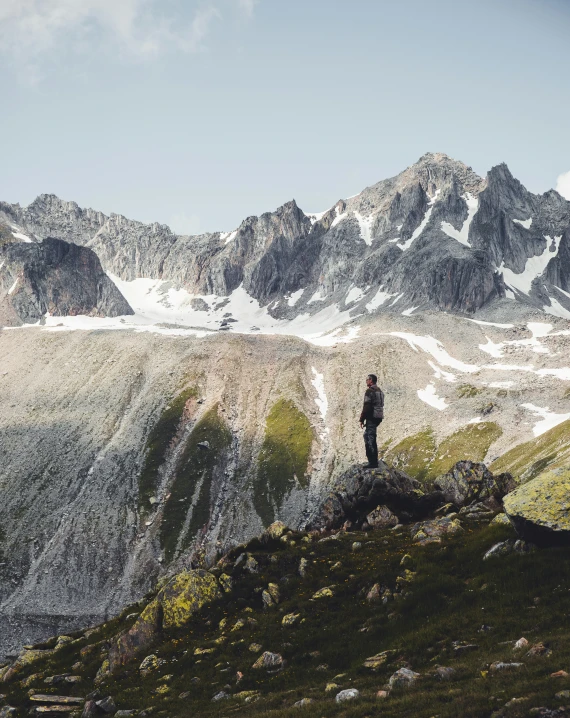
{"points": [[437, 236], [54, 277]]}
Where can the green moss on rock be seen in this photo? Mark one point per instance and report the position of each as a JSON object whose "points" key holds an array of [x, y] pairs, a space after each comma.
{"points": [[192, 483], [283, 458], [540, 509], [160, 438]]}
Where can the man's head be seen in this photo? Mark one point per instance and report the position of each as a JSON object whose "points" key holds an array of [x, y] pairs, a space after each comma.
{"points": [[371, 379]]}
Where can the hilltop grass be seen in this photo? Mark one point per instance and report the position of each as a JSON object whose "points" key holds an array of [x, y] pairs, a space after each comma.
{"points": [[471, 442], [467, 391], [527, 460], [283, 458], [158, 442], [419, 457], [453, 596], [192, 484], [414, 454]]}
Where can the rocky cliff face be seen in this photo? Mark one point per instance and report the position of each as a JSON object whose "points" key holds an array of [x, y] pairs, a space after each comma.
{"points": [[435, 236], [56, 277]]}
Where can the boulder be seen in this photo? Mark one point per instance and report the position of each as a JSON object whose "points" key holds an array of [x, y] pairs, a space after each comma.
{"points": [[504, 548], [433, 531], [360, 491], [24, 660], [269, 661], [540, 509], [470, 481], [276, 530], [403, 677], [349, 694], [381, 517], [185, 594]]}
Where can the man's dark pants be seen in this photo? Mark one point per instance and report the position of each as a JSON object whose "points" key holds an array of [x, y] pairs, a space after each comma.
{"points": [[370, 440]]}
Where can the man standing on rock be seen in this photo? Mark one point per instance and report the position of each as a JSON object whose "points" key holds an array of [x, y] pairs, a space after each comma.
{"points": [[372, 414]]}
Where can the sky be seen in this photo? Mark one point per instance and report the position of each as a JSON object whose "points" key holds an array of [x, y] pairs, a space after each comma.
{"points": [[199, 113]]}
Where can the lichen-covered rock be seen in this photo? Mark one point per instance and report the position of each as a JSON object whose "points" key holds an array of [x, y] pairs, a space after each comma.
{"points": [[24, 660], [433, 531], [303, 565], [290, 619], [540, 509], [226, 582], [403, 677], [381, 517], [472, 481], [375, 662], [502, 520], [504, 548], [149, 664], [276, 530], [187, 593], [326, 592], [269, 660], [374, 594]]}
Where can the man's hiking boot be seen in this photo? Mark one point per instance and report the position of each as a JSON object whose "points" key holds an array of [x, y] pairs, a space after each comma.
{"points": [[370, 466]]}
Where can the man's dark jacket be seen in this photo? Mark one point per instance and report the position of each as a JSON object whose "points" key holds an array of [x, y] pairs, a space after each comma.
{"points": [[373, 404]]}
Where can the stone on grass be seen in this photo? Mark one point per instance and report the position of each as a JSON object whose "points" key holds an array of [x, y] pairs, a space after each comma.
{"points": [[444, 673], [540, 650], [560, 674], [251, 564], [326, 592], [255, 647], [374, 662], [381, 517], [521, 643], [375, 594], [503, 666], [7, 712], [403, 677], [563, 695], [331, 687], [504, 548], [106, 705], [269, 661], [349, 694], [433, 530], [501, 519], [221, 696], [303, 703], [125, 713], [290, 619], [381, 695], [303, 565]]}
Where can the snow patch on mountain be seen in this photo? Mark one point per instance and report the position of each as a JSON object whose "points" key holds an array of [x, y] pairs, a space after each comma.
{"points": [[380, 298], [321, 401], [418, 231], [429, 396], [294, 298], [527, 223], [549, 418], [462, 235], [534, 267], [365, 224]]}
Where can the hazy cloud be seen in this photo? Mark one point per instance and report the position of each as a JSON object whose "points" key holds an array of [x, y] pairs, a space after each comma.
{"points": [[247, 6], [563, 185], [32, 28]]}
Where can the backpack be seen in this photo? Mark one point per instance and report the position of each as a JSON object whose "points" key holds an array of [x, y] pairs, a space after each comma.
{"points": [[379, 404]]}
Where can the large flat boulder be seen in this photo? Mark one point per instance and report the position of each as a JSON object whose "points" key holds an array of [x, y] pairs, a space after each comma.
{"points": [[470, 481], [540, 509]]}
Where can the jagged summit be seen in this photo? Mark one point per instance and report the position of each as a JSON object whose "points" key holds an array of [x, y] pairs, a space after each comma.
{"points": [[435, 236]]}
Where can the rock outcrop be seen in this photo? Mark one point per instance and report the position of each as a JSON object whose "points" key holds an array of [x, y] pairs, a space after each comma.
{"points": [[57, 277], [540, 509], [174, 605], [359, 491], [470, 481]]}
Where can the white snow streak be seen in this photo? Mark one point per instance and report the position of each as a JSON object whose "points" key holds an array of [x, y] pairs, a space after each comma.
{"points": [[353, 295], [365, 224], [462, 235], [534, 267], [436, 349], [417, 232], [321, 401], [439, 373], [294, 298], [317, 297], [378, 300], [13, 287], [409, 312], [429, 396], [524, 223], [228, 237], [556, 309], [549, 418]]}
